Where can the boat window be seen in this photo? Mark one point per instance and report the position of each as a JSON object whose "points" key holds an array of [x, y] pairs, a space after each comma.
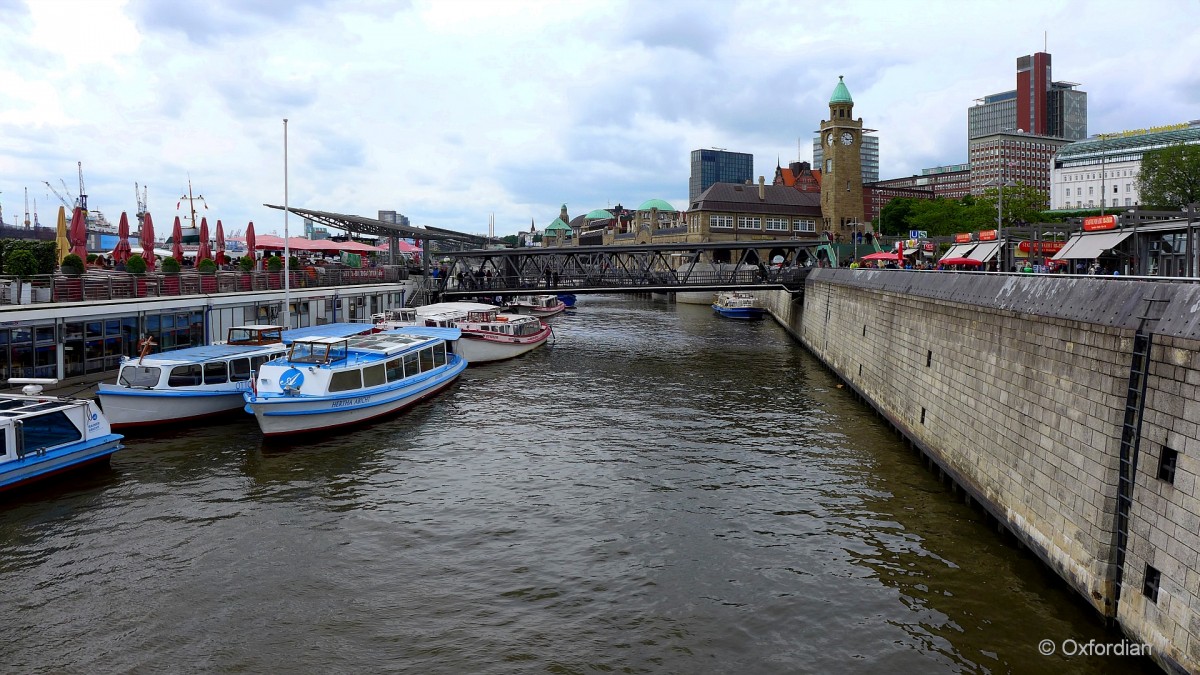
{"points": [[395, 370], [46, 431], [256, 361], [411, 365], [426, 359], [3, 442], [139, 376], [184, 376], [373, 376], [216, 372], [345, 380], [239, 370], [439, 354]]}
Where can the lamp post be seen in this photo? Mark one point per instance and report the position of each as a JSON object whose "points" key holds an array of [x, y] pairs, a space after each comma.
{"points": [[1187, 246]]}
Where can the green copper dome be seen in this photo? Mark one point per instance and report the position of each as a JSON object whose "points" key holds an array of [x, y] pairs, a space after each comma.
{"points": [[840, 93], [558, 224], [598, 214], [659, 204]]}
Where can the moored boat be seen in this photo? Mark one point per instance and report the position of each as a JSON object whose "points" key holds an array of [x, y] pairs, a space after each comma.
{"points": [[41, 436], [197, 382], [536, 305], [325, 383], [487, 335], [737, 305], [567, 299]]}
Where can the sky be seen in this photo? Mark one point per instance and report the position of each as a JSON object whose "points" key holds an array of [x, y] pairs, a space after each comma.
{"points": [[458, 113]]}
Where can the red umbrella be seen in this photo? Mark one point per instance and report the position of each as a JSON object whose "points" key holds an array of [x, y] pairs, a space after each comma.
{"points": [[122, 252], [220, 244], [250, 240], [205, 251], [177, 238], [78, 234], [882, 255], [961, 261], [146, 237]]}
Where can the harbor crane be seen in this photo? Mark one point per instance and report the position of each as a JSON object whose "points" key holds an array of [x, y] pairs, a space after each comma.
{"points": [[70, 206], [27, 208], [139, 193]]}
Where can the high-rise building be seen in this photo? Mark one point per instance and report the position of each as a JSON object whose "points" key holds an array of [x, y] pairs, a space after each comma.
{"points": [[869, 151], [1038, 105], [718, 166]]}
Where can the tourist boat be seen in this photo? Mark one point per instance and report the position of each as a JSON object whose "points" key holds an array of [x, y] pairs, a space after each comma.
{"points": [[196, 382], [487, 335], [41, 436], [536, 305], [326, 383], [737, 305], [568, 299]]}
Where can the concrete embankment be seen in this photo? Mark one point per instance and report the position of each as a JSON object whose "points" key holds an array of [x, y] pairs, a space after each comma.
{"points": [[1067, 406]]}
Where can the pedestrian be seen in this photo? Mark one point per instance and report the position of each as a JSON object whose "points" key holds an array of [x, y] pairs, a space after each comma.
{"points": [[487, 278], [547, 275], [554, 276]]}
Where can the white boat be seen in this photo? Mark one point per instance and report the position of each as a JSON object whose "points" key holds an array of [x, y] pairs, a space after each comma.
{"points": [[536, 305], [325, 383], [42, 436], [487, 335], [737, 305], [197, 382]]}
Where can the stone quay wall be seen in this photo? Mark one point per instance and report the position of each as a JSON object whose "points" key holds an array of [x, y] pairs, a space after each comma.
{"points": [[1017, 387]]}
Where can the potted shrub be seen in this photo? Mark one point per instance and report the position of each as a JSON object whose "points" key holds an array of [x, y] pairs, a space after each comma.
{"points": [[22, 264], [136, 265], [274, 265], [246, 264], [170, 270], [72, 265], [208, 278]]}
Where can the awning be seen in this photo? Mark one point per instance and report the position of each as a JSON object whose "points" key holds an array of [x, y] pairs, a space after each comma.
{"points": [[960, 250], [985, 251], [1089, 246], [909, 251]]}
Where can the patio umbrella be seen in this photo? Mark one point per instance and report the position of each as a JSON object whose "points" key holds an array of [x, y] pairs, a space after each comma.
{"points": [[122, 252], [961, 261], [177, 241], [78, 234], [220, 243], [205, 251], [146, 238], [881, 255], [62, 243], [250, 241]]}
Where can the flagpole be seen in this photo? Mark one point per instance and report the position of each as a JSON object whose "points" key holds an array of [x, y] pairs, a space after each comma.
{"points": [[287, 252]]}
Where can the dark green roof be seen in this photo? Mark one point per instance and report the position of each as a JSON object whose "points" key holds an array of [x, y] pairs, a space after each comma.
{"points": [[659, 204], [558, 224], [840, 93], [598, 214]]}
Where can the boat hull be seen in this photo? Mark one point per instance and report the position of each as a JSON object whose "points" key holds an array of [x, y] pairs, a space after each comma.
{"points": [[478, 350], [745, 313], [279, 416], [36, 467], [126, 408]]}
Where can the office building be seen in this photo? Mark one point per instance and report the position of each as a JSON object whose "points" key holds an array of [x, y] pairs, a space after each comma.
{"points": [[869, 150], [1102, 171], [711, 166], [1038, 106]]}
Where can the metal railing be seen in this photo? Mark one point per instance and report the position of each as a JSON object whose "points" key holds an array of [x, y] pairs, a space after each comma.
{"points": [[95, 285]]}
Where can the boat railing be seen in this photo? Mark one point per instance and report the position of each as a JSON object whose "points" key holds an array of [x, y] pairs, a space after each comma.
{"points": [[95, 285]]}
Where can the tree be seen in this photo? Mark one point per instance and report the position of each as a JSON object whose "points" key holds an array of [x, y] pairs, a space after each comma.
{"points": [[21, 263], [1022, 203], [1170, 176], [893, 217]]}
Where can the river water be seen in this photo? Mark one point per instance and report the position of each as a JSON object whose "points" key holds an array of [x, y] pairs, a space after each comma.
{"points": [[661, 490]]}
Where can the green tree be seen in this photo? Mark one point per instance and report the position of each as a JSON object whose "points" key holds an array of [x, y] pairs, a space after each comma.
{"points": [[893, 217], [21, 263], [1022, 204], [1170, 176]]}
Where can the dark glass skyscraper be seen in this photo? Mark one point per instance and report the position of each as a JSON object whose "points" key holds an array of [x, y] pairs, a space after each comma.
{"points": [[718, 166]]}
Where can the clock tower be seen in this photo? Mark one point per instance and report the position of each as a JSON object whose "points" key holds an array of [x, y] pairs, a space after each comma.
{"points": [[841, 174]]}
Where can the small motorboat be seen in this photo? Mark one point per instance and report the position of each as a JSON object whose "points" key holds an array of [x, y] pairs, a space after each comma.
{"points": [[737, 305]]}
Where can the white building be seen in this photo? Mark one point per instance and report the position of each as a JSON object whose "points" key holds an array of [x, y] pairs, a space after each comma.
{"points": [[1102, 171]]}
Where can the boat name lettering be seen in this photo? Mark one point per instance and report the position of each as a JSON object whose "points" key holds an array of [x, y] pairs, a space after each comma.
{"points": [[351, 401]]}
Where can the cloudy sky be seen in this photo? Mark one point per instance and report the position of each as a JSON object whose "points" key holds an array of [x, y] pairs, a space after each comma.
{"points": [[449, 111]]}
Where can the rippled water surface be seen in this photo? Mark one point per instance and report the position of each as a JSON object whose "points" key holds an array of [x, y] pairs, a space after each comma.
{"points": [[661, 490]]}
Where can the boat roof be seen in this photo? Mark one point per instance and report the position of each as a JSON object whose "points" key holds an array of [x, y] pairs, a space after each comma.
{"points": [[18, 406], [326, 330], [209, 352], [458, 306]]}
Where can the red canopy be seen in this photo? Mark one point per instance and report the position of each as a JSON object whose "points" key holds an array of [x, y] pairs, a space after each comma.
{"points": [[961, 261], [882, 255], [220, 243], [146, 238], [205, 250], [250, 240], [177, 241], [122, 252], [78, 233]]}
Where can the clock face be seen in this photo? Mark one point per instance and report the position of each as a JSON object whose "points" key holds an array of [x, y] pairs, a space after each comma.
{"points": [[828, 139], [847, 138]]}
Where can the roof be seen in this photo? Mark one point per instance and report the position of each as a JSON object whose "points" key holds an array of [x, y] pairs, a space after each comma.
{"points": [[598, 214], [1137, 142], [777, 199], [558, 224], [840, 93], [656, 204]]}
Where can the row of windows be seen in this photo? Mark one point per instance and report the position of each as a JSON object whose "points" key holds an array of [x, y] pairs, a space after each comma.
{"points": [[1074, 177], [1092, 190], [775, 224], [1092, 204], [408, 365]]}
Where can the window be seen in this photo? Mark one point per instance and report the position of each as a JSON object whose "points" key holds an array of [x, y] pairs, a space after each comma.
{"points": [[239, 370], [139, 376], [778, 224], [829, 166], [1166, 465], [373, 376], [1091, 190], [345, 380], [216, 372], [411, 365], [256, 361], [185, 376], [426, 359], [1150, 585], [46, 431], [805, 225], [716, 221], [749, 222], [395, 370], [439, 354]]}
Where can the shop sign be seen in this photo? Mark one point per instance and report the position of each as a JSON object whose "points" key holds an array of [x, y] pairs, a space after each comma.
{"points": [[987, 235], [1041, 246], [962, 238], [1094, 223]]}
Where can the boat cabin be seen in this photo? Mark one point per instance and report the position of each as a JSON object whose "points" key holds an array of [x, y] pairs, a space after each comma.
{"points": [[31, 424], [401, 315], [255, 335], [319, 350]]}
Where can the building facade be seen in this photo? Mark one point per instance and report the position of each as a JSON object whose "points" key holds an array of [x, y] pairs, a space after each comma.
{"points": [[1011, 159], [738, 212], [869, 152], [841, 168], [950, 182], [711, 166], [1102, 171], [1038, 106]]}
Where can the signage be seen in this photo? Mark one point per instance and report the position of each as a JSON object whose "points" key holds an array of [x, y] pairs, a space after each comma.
{"points": [[291, 380], [1140, 132], [987, 235], [1041, 246], [918, 234], [1094, 223], [929, 246], [962, 238]]}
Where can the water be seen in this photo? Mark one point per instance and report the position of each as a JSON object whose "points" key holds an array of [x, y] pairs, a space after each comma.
{"points": [[661, 490]]}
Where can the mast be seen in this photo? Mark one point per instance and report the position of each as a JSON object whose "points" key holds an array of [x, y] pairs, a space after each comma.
{"points": [[287, 272]]}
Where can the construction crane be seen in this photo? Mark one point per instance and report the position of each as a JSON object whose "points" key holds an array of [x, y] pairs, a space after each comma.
{"points": [[61, 198], [140, 194], [27, 208], [82, 192]]}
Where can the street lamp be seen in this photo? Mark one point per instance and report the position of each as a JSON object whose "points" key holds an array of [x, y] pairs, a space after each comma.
{"points": [[1000, 183], [1187, 247]]}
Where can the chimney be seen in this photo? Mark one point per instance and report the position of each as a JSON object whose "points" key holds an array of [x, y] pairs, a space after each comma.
{"points": [[762, 188]]}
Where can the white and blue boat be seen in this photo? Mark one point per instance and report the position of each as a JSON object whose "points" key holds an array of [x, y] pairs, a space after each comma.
{"points": [[325, 383], [43, 436], [197, 382], [737, 305]]}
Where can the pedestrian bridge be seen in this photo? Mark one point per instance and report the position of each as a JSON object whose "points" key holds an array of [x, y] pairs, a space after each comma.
{"points": [[639, 268]]}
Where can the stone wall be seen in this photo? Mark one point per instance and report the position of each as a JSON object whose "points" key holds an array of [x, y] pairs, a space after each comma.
{"points": [[1017, 387]]}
